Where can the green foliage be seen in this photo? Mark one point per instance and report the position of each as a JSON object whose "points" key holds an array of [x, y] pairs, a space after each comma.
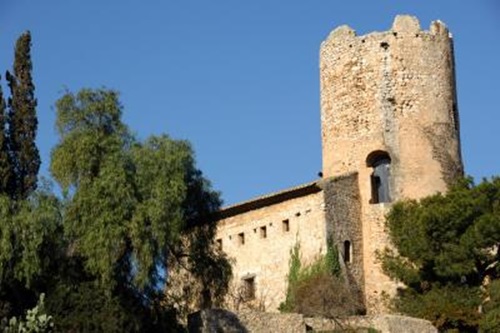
{"points": [[29, 220], [129, 206], [332, 263], [447, 248], [447, 307], [318, 288], [125, 204], [30, 246], [92, 136], [491, 320], [36, 321], [327, 264], [295, 266], [87, 307], [6, 172], [22, 121]]}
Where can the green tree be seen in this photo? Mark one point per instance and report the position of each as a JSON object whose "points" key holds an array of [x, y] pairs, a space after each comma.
{"points": [[447, 255], [30, 223], [6, 172], [22, 120], [30, 249], [128, 206]]}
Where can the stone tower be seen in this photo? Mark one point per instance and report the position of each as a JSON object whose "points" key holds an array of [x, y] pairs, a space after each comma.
{"points": [[389, 114]]}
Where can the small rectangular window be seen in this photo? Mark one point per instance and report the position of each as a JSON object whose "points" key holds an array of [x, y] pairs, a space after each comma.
{"points": [[286, 225], [263, 232], [241, 238], [249, 288], [219, 244]]}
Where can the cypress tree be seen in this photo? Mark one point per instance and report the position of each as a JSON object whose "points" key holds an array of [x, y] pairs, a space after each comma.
{"points": [[6, 175], [22, 120]]}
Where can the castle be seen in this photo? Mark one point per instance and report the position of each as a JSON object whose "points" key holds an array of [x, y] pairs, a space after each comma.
{"points": [[390, 130]]}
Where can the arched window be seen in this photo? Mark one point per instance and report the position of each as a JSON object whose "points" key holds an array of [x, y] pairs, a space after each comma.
{"points": [[380, 177], [347, 251]]}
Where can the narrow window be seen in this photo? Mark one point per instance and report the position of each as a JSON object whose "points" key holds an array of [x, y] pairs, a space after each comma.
{"points": [[380, 177], [219, 244], [241, 238], [347, 251], [286, 225], [249, 288], [376, 185], [263, 232]]}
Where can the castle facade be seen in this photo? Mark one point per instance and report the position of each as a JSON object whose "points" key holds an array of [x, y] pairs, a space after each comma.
{"points": [[390, 131]]}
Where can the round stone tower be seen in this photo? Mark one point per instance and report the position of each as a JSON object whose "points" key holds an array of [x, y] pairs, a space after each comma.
{"points": [[389, 113]]}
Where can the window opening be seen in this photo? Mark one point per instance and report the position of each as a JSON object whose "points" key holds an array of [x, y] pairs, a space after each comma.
{"points": [[347, 251], [263, 232], [249, 288], [286, 225], [219, 244], [241, 238], [380, 177]]}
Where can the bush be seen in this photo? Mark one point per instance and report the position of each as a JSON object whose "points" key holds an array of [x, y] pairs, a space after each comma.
{"points": [[36, 321], [319, 288], [327, 296]]}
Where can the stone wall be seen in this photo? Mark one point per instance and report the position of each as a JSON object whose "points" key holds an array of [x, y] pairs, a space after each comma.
{"points": [[223, 321], [343, 218], [259, 241], [391, 92], [382, 323]]}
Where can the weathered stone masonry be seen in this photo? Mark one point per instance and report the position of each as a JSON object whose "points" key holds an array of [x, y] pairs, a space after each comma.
{"points": [[390, 131], [258, 235], [343, 225]]}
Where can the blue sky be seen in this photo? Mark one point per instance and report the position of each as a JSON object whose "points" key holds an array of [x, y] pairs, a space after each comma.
{"points": [[239, 79]]}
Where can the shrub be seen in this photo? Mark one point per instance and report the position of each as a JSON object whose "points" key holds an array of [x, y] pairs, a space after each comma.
{"points": [[36, 321], [327, 296], [319, 289]]}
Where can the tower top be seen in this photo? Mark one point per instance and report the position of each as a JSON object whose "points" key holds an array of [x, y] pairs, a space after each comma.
{"points": [[391, 94], [402, 24]]}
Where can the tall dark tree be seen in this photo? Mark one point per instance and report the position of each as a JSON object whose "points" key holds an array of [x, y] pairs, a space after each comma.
{"points": [[22, 120], [6, 172], [26, 226]]}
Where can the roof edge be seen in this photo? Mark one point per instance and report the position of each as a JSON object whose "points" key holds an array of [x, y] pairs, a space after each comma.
{"points": [[269, 199]]}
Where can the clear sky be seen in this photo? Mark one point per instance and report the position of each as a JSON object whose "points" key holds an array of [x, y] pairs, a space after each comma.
{"points": [[239, 79]]}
